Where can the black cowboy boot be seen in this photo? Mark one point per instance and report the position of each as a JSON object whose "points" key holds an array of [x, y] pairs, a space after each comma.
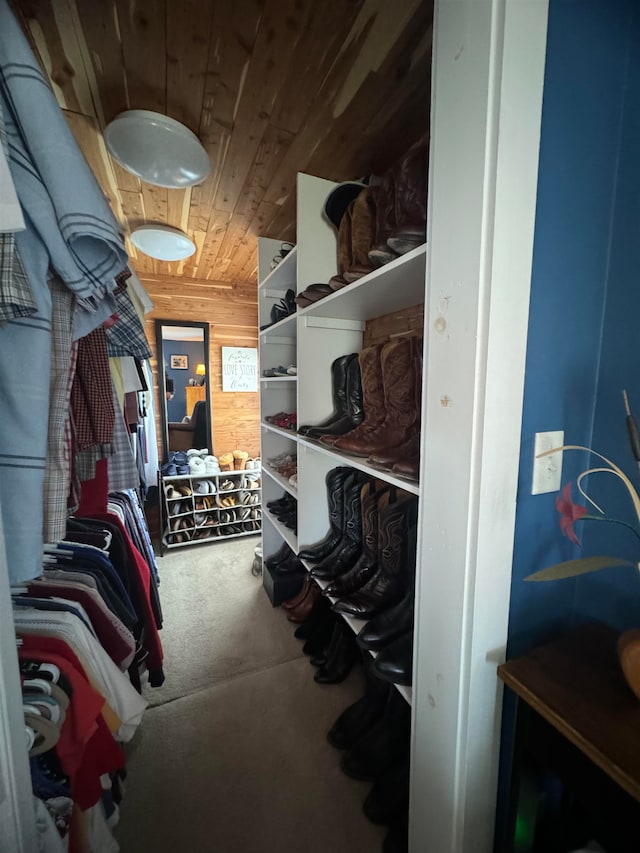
{"points": [[338, 393], [354, 412], [349, 548], [335, 480]]}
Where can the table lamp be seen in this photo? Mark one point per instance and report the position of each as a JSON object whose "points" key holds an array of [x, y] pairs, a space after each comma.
{"points": [[201, 371]]}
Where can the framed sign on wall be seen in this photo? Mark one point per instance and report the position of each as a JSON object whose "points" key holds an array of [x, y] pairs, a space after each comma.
{"points": [[239, 369]]}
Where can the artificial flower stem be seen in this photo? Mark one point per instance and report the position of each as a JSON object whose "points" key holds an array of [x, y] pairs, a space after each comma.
{"points": [[614, 520]]}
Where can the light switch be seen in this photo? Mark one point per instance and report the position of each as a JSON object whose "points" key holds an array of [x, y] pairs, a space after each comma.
{"points": [[547, 470]]}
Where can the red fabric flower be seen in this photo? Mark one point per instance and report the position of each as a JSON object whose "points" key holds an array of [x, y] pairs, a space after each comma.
{"points": [[570, 513]]}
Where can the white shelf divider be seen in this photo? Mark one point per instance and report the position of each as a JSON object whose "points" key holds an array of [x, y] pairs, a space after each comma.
{"points": [[288, 535], [280, 480]]}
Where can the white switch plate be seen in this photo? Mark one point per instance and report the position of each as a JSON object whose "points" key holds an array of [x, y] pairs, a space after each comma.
{"points": [[547, 471]]}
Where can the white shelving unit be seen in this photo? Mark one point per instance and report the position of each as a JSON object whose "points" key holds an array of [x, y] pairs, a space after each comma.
{"points": [[312, 339], [212, 523]]}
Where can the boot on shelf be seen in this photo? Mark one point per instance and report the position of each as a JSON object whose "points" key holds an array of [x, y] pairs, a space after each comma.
{"points": [[307, 629], [326, 652], [372, 397], [338, 393], [363, 226], [388, 799], [395, 661], [345, 256], [405, 458], [302, 611], [383, 744], [349, 548], [367, 564], [359, 717], [388, 626], [292, 603], [344, 654], [381, 253], [335, 481], [354, 412], [400, 413], [397, 838], [282, 554], [319, 638], [410, 175], [396, 560]]}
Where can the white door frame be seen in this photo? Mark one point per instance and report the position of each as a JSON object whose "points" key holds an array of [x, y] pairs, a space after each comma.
{"points": [[488, 77]]}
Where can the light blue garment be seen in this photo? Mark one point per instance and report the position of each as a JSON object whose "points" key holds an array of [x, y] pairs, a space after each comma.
{"points": [[25, 358], [55, 186]]}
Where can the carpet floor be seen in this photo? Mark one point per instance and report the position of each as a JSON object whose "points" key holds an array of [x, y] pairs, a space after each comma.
{"points": [[232, 757]]}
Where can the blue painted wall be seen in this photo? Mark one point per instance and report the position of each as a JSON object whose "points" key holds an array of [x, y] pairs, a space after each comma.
{"points": [[584, 326], [585, 302], [177, 408]]}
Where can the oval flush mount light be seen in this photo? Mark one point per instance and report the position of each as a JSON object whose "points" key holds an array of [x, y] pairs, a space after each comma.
{"points": [[162, 242], [156, 148]]}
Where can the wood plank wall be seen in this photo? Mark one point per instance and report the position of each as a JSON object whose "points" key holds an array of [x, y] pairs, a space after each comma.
{"points": [[233, 321]]}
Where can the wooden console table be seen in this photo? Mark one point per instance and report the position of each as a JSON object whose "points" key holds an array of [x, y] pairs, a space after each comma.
{"points": [[578, 721]]}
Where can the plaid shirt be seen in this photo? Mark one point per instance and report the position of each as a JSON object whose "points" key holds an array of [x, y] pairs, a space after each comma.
{"points": [[126, 336], [91, 397]]}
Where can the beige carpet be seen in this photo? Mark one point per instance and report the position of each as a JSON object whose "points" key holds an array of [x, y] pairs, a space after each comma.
{"points": [[240, 762], [218, 622]]}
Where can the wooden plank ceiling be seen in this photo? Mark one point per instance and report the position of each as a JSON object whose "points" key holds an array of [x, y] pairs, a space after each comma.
{"points": [[335, 88]]}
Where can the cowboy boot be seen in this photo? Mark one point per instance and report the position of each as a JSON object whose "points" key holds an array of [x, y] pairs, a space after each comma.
{"points": [[406, 455], [363, 714], [349, 548], [367, 564], [354, 412], [411, 200], [395, 661], [401, 415], [345, 258], [396, 565], [363, 223], [335, 481], [380, 253], [338, 392], [372, 396]]}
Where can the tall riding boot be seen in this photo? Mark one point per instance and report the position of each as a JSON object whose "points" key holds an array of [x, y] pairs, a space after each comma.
{"points": [[353, 408], [338, 393], [411, 200], [395, 565], [401, 415], [389, 796], [349, 548], [335, 480], [395, 662], [367, 565], [343, 656], [363, 223], [358, 718], [381, 253], [383, 744], [372, 397]]}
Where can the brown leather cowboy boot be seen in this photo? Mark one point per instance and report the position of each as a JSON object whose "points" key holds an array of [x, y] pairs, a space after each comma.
{"points": [[345, 258], [363, 222], [381, 253], [406, 455], [398, 379], [372, 396], [411, 200]]}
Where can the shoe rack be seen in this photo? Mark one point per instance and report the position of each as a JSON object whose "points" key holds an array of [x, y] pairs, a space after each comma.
{"points": [[197, 509], [312, 339]]}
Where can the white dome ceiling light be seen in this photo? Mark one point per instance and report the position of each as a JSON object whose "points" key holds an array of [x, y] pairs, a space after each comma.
{"points": [[162, 242], [157, 149]]}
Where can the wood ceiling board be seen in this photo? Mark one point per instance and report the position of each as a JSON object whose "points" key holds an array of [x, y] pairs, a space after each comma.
{"points": [[143, 35], [280, 29], [189, 32], [53, 33], [102, 37]]}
